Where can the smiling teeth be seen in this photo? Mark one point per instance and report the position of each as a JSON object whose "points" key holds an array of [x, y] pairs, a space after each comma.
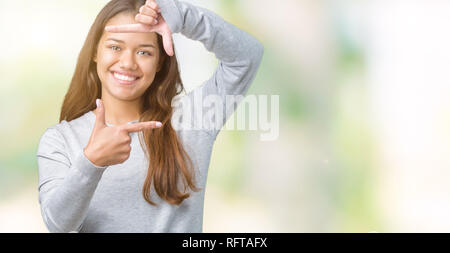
{"points": [[124, 78]]}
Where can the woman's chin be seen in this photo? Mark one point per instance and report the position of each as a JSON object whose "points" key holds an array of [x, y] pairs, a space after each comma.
{"points": [[122, 94]]}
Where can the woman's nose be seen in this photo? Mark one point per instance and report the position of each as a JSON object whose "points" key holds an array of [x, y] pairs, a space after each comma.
{"points": [[127, 61]]}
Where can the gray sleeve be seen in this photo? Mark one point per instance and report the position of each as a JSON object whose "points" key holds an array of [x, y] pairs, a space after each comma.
{"points": [[65, 186], [239, 56]]}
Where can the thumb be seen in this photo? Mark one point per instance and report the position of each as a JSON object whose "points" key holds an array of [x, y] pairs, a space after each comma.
{"points": [[100, 119], [168, 43]]}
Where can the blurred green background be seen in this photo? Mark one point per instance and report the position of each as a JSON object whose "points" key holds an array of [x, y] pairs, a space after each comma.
{"points": [[364, 141]]}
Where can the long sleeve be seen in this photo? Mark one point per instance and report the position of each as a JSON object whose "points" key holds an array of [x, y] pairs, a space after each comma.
{"points": [[65, 187], [239, 56]]}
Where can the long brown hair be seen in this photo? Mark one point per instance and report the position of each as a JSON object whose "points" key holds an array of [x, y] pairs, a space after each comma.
{"points": [[168, 160]]}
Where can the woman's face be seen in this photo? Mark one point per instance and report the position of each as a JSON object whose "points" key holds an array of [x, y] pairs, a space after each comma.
{"points": [[126, 62]]}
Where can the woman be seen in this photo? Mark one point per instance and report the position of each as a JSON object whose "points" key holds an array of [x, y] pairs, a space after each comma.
{"points": [[115, 161]]}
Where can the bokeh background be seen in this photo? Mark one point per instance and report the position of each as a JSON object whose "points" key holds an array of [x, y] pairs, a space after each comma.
{"points": [[364, 90]]}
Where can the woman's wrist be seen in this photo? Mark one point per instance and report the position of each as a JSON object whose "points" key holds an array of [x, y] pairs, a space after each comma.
{"points": [[171, 13], [91, 157]]}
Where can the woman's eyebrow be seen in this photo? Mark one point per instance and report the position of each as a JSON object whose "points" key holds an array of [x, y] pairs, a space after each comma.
{"points": [[121, 41]]}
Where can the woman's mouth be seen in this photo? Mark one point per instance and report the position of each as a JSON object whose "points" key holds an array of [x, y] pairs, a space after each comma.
{"points": [[124, 79]]}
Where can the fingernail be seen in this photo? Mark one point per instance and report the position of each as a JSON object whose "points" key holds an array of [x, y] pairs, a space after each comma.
{"points": [[155, 21], [158, 124], [97, 102]]}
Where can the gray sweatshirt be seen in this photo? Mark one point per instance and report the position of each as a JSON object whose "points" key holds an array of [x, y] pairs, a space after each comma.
{"points": [[76, 195]]}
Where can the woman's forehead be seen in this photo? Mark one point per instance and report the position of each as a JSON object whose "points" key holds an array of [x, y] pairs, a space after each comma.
{"points": [[125, 19], [122, 18]]}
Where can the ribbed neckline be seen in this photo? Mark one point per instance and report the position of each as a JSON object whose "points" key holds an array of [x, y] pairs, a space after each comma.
{"points": [[93, 118]]}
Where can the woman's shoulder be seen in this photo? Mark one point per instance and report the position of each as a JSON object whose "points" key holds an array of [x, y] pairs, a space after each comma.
{"points": [[64, 129], [83, 122]]}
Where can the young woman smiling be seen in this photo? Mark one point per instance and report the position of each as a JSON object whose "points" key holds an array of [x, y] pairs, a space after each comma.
{"points": [[93, 174]]}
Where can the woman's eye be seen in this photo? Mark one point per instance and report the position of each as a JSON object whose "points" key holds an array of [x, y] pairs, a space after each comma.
{"points": [[144, 52], [115, 48]]}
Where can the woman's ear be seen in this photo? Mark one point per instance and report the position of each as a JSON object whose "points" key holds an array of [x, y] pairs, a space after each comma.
{"points": [[95, 58]]}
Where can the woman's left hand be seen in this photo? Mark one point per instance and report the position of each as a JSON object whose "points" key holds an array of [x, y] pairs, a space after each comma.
{"points": [[149, 19]]}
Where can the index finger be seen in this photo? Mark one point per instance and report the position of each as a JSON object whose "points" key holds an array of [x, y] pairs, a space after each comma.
{"points": [[131, 28], [142, 126]]}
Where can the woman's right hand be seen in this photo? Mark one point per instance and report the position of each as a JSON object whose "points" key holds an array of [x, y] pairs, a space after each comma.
{"points": [[109, 145]]}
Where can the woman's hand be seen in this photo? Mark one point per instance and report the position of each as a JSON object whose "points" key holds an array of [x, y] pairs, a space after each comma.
{"points": [[111, 145], [149, 19]]}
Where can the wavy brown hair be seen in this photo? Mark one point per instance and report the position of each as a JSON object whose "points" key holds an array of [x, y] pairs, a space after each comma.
{"points": [[168, 161]]}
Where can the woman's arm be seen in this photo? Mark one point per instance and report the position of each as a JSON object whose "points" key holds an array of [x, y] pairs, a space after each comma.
{"points": [[239, 55], [238, 52], [65, 187]]}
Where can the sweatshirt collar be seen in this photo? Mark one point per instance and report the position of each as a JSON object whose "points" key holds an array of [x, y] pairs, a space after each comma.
{"points": [[91, 114]]}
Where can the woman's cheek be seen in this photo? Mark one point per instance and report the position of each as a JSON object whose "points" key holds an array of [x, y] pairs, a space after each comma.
{"points": [[108, 58], [149, 66]]}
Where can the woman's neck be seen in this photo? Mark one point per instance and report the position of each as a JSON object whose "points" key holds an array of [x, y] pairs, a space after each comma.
{"points": [[119, 112]]}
